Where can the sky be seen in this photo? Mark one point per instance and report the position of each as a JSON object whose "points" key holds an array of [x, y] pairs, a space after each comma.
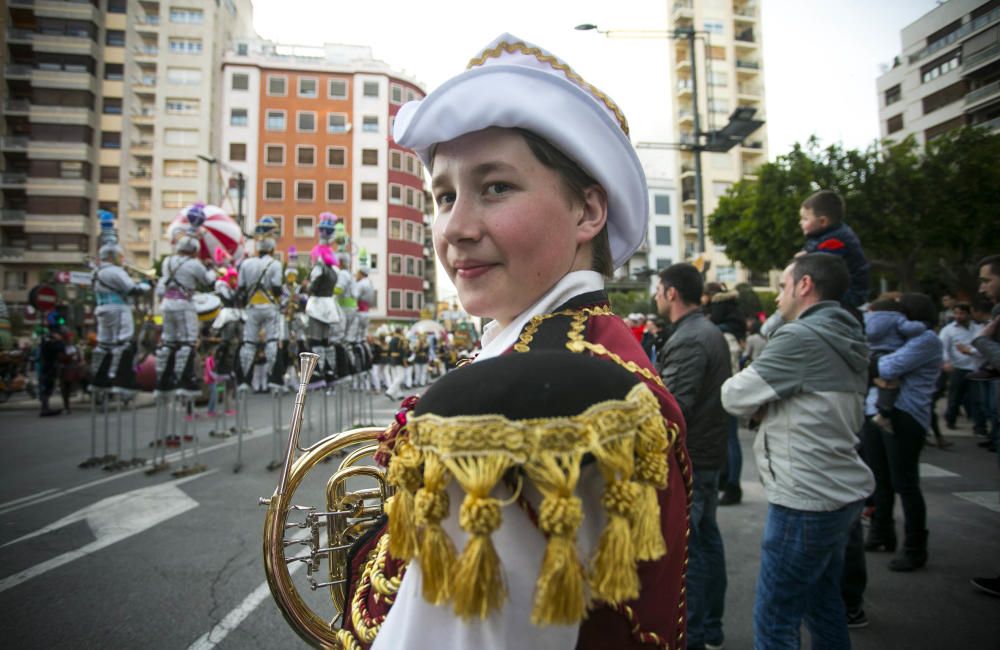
{"points": [[821, 57]]}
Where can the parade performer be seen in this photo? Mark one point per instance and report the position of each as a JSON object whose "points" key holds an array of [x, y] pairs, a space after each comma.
{"points": [[321, 307], [112, 360], [259, 284], [181, 275], [421, 357], [226, 325], [398, 351], [539, 194], [364, 295]]}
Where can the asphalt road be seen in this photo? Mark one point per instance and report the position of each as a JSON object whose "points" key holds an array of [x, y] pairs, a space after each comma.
{"points": [[93, 559]]}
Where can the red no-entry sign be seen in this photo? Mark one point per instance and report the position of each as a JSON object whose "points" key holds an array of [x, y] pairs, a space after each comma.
{"points": [[43, 298]]}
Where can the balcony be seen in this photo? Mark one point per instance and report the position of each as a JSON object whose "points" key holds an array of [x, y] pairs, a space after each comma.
{"points": [[22, 36], [13, 180], [684, 87], [981, 58], [140, 178], [745, 13], [684, 9], [52, 150], [746, 64], [979, 95], [46, 186], [139, 210], [145, 85], [146, 53], [684, 116], [748, 90], [13, 143], [12, 217], [17, 107], [144, 116], [745, 39], [17, 71], [755, 147], [148, 23], [61, 114], [687, 169], [64, 79], [142, 148]]}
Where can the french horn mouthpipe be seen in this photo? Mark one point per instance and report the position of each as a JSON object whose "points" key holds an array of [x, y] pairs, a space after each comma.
{"points": [[307, 365]]}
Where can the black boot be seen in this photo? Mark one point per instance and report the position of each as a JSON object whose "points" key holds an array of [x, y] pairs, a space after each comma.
{"points": [[880, 540], [913, 555], [732, 494]]}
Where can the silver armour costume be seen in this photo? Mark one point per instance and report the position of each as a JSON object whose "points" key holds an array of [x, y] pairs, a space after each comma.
{"points": [[260, 283], [115, 327], [180, 277], [324, 314]]}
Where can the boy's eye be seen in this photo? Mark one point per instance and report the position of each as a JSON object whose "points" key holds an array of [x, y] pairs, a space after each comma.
{"points": [[498, 188], [445, 198]]}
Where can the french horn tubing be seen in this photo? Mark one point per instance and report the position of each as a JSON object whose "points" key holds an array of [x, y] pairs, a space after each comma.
{"points": [[345, 517]]}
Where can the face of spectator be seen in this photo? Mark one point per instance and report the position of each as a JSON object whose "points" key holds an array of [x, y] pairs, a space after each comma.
{"points": [[810, 223], [989, 284], [947, 301], [662, 305], [787, 299], [961, 316]]}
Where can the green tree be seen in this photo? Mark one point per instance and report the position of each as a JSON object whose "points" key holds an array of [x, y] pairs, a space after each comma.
{"points": [[924, 216]]}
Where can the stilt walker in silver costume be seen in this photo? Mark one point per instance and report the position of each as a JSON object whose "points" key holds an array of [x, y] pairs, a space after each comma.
{"points": [[364, 294], [321, 308], [227, 329], [260, 283], [112, 368], [176, 380]]}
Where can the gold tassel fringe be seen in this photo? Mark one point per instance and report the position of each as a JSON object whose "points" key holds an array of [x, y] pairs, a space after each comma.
{"points": [[437, 551]]}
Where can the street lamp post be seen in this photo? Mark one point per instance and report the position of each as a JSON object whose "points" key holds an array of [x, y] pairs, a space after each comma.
{"points": [[741, 123]]}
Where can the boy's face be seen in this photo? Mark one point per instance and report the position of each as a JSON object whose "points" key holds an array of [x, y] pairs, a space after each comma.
{"points": [[505, 230], [989, 283], [810, 223]]}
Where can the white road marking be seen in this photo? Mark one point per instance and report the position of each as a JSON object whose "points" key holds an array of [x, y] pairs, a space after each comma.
{"points": [[28, 498], [234, 618], [111, 520], [989, 499], [933, 471], [42, 497]]}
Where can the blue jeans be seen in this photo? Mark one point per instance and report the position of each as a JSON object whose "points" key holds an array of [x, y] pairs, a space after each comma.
{"points": [[212, 397], [801, 564], [706, 576], [735, 453]]}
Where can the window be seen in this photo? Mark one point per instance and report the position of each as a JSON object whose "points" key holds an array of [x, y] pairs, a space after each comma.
{"points": [[943, 97], [274, 154], [394, 298], [396, 160], [187, 16], [395, 193], [337, 89], [277, 85], [717, 53], [373, 264], [717, 79], [336, 191], [336, 123], [304, 227], [15, 280], [280, 221], [305, 155], [237, 152], [114, 38], [396, 94], [117, 6], [242, 49], [420, 267], [180, 137], [371, 89], [661, 204], [894, 124], [178, 106], [369, 156], [714, 26], [409, 163], [274, 190], [275, 120], [369, 191], [184, 76], [663, 235], [114, 71], [185, 45], [369, 227], [940, 66], [396, 264], [893, 95], [369, 124], [308, 87], [112, 105], [336, 157], [109, 174], [180, 168], [409, 198], [111, 140], [305, 121], [408, 229], [409, 300], [241, 81], [395, 229], [178, 198], [238, 117], [411, 267], [663, 262]]}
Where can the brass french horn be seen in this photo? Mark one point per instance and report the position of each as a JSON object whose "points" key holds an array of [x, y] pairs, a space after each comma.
{"points": [[346, 516]]}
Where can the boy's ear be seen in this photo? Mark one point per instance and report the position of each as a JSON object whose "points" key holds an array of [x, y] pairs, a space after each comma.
{"points": [[594, 213]]}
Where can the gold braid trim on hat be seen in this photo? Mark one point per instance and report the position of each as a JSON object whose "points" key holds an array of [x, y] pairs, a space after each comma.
{"points": [[623, 435], [511, 48]]}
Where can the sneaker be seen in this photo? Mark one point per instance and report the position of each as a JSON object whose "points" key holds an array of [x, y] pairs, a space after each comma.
{"points": [[988, 585], [857, 619]]}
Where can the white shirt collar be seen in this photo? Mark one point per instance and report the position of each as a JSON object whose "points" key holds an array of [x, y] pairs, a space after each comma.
{"points": [[497, 339]]}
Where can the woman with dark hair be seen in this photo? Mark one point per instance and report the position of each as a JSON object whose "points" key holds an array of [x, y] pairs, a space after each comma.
{"points": [[894, 457]]}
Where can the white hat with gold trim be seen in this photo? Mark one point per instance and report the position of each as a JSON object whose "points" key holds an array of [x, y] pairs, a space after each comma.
{"points": [[515, 84]]}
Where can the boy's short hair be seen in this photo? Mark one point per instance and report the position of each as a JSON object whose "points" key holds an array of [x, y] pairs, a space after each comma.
{"points": [[964, 306], [887, 305], [992, 261], [826, 203], [575, 181], [686, 279], [828, 272]]}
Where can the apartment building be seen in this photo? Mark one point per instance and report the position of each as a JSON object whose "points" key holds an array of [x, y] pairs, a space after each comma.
{"points": [[107, 104], [309, 128], [662, 247], [729, 71], [947, 74]]}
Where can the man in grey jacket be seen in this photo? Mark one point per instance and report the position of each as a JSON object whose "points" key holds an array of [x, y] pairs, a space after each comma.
{"points": [[808, 388], [693, 364]]}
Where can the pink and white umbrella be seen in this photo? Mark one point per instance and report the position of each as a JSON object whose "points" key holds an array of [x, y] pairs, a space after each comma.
{"points": [[216, 230]]}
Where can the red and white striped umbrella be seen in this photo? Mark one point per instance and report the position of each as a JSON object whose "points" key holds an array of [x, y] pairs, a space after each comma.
{"points": [[217, 231]]}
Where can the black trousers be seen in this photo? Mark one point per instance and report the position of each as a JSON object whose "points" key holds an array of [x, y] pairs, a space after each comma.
{"points": [[894, 459]]}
